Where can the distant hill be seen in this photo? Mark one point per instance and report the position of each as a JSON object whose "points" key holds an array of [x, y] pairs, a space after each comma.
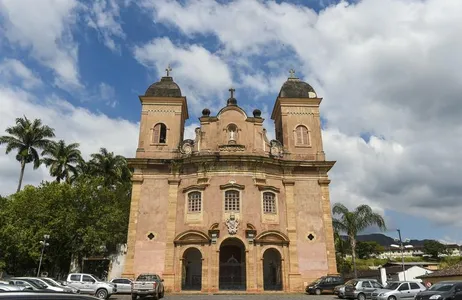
{"points": [[385, 240]]}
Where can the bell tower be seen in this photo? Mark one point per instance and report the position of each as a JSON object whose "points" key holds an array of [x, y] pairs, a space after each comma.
{"points": [[297, 120], [163, 114]]}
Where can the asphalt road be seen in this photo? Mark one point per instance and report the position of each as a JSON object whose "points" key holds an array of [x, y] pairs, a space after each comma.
{"points": [[237, 297]]}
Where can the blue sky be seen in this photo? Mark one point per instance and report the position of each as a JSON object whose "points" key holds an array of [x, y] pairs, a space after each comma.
{"points": [[390, 82]]}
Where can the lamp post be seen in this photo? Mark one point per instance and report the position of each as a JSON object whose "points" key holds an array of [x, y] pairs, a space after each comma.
{"points": [[44, 244], [402, 247]]}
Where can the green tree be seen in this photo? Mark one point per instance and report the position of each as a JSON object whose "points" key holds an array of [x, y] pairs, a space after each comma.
{"points": [[26, 138], [80, 219], [365, 250], [62, 159], [113, 168], [353, 222], [433, 248]]}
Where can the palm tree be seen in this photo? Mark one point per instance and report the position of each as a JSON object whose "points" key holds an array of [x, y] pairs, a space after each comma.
{"points": [[27, 137], [113, 168], [353, 222], [81, 168], [62, 159]]}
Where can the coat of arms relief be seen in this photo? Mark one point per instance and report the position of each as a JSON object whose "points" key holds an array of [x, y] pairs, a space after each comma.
{"points": [[232, 223]]}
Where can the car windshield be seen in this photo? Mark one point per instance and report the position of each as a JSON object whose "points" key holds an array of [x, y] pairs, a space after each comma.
{"points": [[96, 277], [442, 287], [147, 277], [351, 282], [35, 283], [50, 282], [392, 285]]}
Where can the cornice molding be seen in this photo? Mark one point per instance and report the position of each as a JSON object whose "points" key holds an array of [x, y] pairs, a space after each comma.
{"points": [[232, 186]]}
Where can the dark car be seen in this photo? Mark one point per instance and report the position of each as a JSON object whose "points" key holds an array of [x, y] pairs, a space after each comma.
{"points": [[443, 290], [325, 283], [23, 295]]}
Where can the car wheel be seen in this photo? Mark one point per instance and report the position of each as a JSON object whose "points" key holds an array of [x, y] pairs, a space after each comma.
{"points": [[162, 294], [318, 291], [134, 296], [392, 298], [101, 294], [361, 297]]}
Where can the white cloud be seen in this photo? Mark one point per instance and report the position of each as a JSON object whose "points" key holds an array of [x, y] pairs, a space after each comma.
{"points": [[13, 69], [395, 75], [199, 73], [71, 123], [107, 94], [104, 17], [44, 29]]}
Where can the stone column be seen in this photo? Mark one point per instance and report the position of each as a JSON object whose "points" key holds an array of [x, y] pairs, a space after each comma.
{"points": [[329, 230], [205, 269], [137, 182], [169, 271], [251, 272], [294, 274]]}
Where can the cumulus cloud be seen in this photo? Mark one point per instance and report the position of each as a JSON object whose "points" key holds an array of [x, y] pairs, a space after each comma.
{"points": [[71, 123], [43, 28], [13, 70], [104, 17], [200, 73]]}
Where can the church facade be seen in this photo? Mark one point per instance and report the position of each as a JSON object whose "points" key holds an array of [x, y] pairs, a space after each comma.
{"points": [[231, 209]]}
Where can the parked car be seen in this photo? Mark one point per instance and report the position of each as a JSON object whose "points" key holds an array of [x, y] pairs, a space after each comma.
{"points": [[398, 290], [124, 285], [325, 283], [339, 290], [28, 284], [49, 286], [34, 295], [55, 283], [10, 288], [148, 284], [91, 284], [361, 289], [443, 290]]}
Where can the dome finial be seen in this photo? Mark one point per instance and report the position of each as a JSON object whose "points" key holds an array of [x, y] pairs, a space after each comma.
{"points": [[231, 90], [292, 73], [168, 70]]}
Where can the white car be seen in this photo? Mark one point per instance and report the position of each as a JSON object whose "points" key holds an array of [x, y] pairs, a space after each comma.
{"points": [[124, 285], [55, 286], [91, 284]]}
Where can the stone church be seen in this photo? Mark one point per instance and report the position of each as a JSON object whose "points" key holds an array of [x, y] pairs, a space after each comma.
{"points": [[231, 209]]}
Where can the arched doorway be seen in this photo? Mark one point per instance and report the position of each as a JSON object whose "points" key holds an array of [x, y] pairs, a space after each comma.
{"points": [[191, 278], [272, 270], [232, 265]]}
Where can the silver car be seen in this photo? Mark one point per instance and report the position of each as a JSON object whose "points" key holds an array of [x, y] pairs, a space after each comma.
{"points": [[124, 285], [361, 289], [398, 290]]}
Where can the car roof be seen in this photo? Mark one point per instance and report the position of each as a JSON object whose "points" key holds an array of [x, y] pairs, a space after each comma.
{"points": [[43, 295]]}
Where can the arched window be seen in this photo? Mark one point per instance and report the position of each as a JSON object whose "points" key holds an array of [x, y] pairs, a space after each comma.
{"points": [[194, 202], [269, 203], [232, 201], [302, 135], [159, 134]]}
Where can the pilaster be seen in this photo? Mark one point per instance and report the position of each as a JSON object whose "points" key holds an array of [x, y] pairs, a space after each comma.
{"points": [[294, 274], [329, 230], [137, 182], [169, 273]]}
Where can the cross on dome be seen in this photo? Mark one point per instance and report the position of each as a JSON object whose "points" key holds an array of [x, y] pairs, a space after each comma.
{"points": [[231, 90], [292, 73], [169, 69]]}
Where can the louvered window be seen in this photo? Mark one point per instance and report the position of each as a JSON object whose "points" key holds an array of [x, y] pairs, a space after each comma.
{"points": [[302, 135]]}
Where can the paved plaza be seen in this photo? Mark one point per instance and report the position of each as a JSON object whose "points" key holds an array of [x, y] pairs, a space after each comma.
{"points": [[238, 297]]}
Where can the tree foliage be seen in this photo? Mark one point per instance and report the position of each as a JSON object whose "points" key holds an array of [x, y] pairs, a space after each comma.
{"points": [[82, 220], [27, 137], [366, 250], [353, 222], [62, 159], [433, 248]]}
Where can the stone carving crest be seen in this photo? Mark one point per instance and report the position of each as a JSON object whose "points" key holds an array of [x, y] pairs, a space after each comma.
{"points": [[186, 147], [276, 149], [232, 224]]}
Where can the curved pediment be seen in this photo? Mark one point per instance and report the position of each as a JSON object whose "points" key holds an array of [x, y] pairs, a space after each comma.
{"points": [[232, 111], [191, 237], [272, 237]]}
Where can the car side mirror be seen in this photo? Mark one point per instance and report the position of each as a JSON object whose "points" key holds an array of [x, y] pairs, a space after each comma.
{"points": [[162, 280]]}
